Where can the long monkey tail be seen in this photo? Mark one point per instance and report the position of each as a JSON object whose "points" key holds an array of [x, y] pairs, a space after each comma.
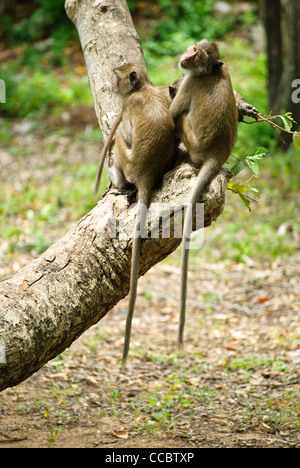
{"points": [[207, 171], [104, 151], [140, 228]]}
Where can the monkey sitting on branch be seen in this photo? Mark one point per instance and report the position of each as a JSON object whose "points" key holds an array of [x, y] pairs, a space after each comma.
{"points": [[206, 119], [144, 149]]}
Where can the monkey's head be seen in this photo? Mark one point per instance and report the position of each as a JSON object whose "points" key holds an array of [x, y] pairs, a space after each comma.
{"points": [[201, 58], [129, 78]]}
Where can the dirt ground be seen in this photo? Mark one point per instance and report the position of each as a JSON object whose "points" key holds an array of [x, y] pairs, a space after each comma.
{"points": [[236, 384]]}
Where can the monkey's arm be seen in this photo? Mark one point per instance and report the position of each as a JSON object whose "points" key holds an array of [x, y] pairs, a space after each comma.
{"points": [[181, 103], [244, 109], [104, 151]]}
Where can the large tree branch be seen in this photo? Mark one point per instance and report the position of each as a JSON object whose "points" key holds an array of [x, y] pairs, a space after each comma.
{"points": [[49, 303]]}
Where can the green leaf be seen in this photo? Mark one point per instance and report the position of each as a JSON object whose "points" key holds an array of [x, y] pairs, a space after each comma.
{"points": [[254, 156], [245, 201], [255, 191], [296, 140], [289, 115], [237, 188], [258, 153], [287, 121], [253, 165], [238, 167]]}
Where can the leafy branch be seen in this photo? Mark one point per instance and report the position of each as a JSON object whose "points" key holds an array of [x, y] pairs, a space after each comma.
{"points": [[251, 161], [287, 120]]}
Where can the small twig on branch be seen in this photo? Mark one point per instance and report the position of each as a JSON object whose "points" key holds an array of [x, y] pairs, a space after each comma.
{"points": [[269, 119]]}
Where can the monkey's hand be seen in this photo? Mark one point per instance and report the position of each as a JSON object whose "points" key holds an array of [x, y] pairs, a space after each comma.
{"points": [[245, 109]]}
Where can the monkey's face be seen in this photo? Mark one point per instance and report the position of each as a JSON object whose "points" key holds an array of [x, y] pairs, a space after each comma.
{"points": [[201, 58], [193, 57]]}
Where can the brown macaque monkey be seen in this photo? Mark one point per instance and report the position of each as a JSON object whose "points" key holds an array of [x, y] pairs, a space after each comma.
{"points": [[143, 152], [167, 94], [206, 119]]}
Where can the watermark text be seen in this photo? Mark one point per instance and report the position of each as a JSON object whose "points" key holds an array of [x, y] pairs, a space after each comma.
{"points": [[2, 92], [164, 221], [296, 93], [2, 352]]}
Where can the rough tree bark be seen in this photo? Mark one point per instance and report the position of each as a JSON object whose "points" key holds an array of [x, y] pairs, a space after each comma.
{"points": [[6, 5], [49, 303]]}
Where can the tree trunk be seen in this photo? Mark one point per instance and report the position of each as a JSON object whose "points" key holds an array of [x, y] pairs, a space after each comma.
{"points": [[49, 303], [283, 62], [271, 13], [5, 5], [108, 40], [291, 69]]}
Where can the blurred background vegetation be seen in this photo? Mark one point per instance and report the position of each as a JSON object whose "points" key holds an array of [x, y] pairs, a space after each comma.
{"points": [[50, 140]]}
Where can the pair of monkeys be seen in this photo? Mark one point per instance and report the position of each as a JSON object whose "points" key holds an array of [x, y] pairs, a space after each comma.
{"points": [[203, 113]]}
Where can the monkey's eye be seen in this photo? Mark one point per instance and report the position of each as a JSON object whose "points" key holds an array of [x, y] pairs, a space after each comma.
{"points": [[200, 55], [195, 49]]}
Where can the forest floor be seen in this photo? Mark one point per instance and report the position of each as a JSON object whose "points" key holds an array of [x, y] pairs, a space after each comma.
{"points": [[237, 383]]}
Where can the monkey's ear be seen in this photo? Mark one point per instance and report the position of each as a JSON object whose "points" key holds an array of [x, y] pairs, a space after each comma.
{"points": [[133, 78], [217, 65]]}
